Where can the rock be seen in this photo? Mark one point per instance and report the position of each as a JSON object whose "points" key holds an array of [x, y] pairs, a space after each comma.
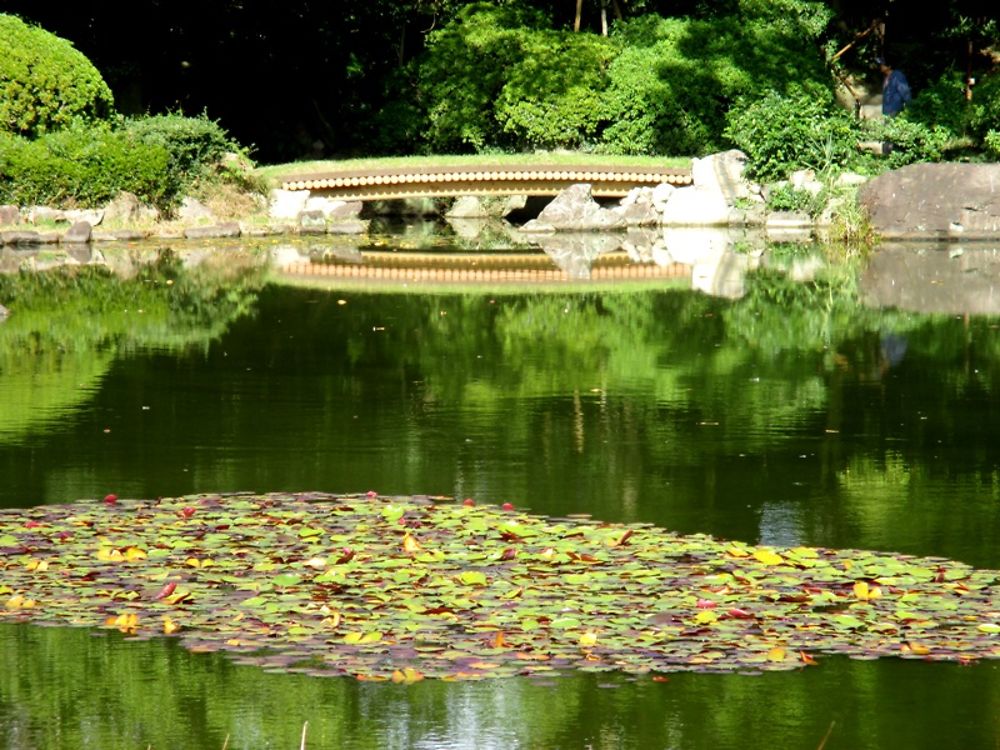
{"points": [[805, 179], [933, 201], [287, 204], [44, 214], [93, 216], [575, 209], [80, 232], [20, 238], [332, 208], [4, 313], [357, 226], [9, 216], [485, 207], [718, 185], [537, 227], [637, 208], [229, 229], [662, 194], [467, 207], [312, 222], [49, 238], [126, 208], [191, 209], [788, 220], [851, 179]]}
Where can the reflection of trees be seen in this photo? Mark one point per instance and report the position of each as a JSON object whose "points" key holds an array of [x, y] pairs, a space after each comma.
{"points": [[66, 688], [66, 327]]}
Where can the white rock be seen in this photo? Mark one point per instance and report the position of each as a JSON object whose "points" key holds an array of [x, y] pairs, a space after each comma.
{"points": [[287, 204]]}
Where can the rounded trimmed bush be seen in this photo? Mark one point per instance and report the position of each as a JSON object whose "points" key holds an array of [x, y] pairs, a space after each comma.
{"points": [[45, 83]]}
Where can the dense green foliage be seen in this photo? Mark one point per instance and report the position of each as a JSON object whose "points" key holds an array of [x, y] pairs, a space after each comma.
{"points": [[193, 144], [498, 77], [45, 83], [677, 77], [780, 134], [220, 57], [156, 158], [82, 165]]}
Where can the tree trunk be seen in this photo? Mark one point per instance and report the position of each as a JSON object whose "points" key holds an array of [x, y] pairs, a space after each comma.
{"points": [[579, 13]]}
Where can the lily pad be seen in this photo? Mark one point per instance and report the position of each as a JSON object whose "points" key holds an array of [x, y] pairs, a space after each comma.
{"points": [[406, 588]]}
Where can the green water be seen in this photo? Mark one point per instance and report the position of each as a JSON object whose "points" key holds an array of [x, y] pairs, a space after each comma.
{"points": [[793, 416]]}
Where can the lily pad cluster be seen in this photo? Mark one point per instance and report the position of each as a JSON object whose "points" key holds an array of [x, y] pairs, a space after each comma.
{"points": [[403, 588]]}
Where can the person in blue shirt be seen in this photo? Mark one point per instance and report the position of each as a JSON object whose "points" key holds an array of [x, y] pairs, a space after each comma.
{"points": [[895, 89]]}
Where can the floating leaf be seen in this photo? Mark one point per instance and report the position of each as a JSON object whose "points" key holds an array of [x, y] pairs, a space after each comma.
{"points": [[483, 593], [472, 578], [768, 557]]}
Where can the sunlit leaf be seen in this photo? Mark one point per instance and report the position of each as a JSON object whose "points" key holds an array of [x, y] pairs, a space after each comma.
{"points": [[332, 582], [768, 557]]}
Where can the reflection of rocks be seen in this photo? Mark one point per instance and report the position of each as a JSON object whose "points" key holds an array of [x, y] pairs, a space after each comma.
{"points": [[575, 252], [802, 268], [342, 252], [715, 268], [284, 256], [639, 243], [938, 279], [484, 231]]}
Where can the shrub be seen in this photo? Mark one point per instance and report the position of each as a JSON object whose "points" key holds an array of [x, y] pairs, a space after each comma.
{"points": [[83, 166], [781, 134], [156, 158], [787, 197], [195, 144], [910, 141], [942, 104], [45, 83], [984, 111]]}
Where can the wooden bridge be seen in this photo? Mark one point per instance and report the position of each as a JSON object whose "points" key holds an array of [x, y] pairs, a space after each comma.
{"points": [[444, 181]]}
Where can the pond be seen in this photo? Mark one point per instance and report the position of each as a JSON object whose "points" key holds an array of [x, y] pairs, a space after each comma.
{"points": [[793, 414]]}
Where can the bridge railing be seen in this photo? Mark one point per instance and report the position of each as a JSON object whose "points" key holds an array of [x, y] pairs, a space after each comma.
{"points": [[384, 183]]}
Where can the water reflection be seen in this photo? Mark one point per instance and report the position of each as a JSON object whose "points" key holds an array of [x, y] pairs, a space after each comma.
{"points": [[789, 413], [948, 278], [113, 693]]}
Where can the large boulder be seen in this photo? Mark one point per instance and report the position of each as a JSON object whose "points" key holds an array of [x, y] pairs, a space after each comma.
{"points": [[718, 183], [575, 210], [934, 201], [287, 204]]}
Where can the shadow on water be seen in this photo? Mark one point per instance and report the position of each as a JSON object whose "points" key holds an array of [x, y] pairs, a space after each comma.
{"points": [[797, 406]]}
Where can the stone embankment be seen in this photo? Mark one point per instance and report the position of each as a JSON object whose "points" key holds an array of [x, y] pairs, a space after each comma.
{"points": [[923, 201]]}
